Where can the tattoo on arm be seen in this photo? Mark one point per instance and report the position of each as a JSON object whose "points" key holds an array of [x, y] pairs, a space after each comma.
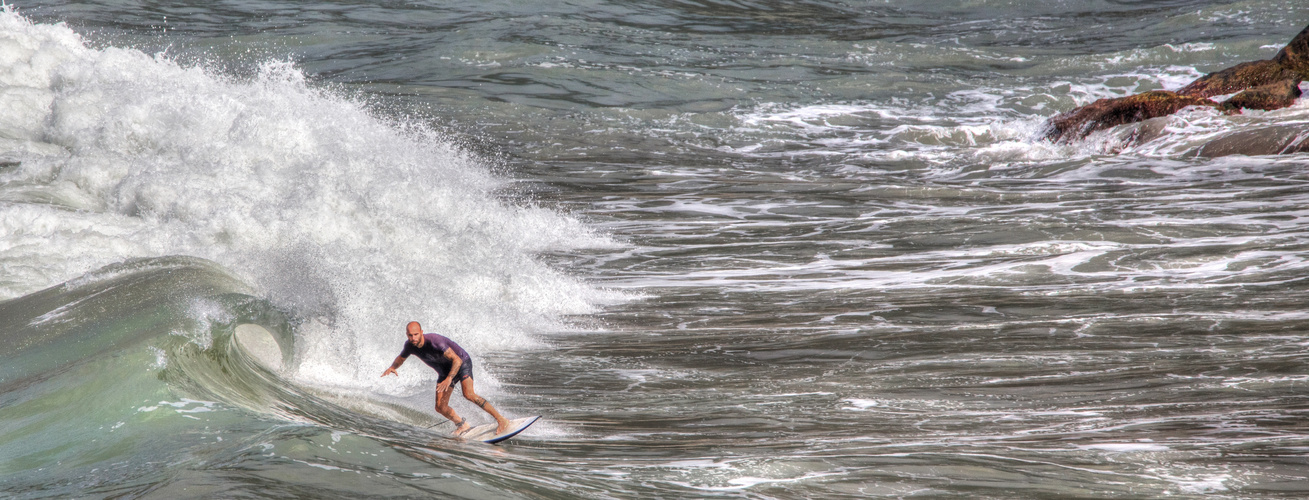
{"points": [[455, 362]]}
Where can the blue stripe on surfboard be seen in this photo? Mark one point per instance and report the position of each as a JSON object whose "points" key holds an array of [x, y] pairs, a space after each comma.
{"points": [[486, 432], [513, 432]]}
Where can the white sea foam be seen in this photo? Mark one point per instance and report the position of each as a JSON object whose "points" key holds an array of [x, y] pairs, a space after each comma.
{"points": [[1126, 447], [353, 222]]}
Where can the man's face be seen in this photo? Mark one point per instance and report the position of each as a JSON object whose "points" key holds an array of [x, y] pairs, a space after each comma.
{"points": [[415, 335]]}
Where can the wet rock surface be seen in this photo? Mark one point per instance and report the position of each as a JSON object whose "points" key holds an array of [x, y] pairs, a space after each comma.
{"points": [[1106, 113], [1266, 85], [1295, 55], [1266, 97], [1279, 139], [1240, 77]]}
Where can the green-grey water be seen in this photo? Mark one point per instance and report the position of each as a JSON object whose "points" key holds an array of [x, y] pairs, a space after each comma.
{"points": [[727, 249]]}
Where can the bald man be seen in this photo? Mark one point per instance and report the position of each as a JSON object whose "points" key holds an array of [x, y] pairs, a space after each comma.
{"points": [[452, 364]]}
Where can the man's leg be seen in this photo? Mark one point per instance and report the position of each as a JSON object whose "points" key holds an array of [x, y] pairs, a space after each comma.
{"points": [[502, 425], [443, 407]]}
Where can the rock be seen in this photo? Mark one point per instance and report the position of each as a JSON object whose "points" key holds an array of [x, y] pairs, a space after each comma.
{"points": [[1295, 55], [1240, 77], [1290, 63], [1272, 140], [1141, 132], [1266, 97], [1267, 84], [1106, 113]]}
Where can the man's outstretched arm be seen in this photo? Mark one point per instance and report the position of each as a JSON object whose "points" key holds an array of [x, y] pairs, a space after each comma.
{"points": [[399, 360]]}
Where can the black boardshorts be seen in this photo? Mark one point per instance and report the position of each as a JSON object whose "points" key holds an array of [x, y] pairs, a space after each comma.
{"points": [[465, 372]]}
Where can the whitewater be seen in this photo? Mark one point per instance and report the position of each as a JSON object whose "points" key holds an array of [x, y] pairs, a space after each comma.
{"points": [[727, 249]]}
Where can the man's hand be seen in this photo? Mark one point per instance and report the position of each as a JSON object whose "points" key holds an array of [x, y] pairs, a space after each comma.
{"points": [[455, 363], [399, 360]]}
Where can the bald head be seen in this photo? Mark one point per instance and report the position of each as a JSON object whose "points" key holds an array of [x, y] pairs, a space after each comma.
{"points": [[415, 333]]}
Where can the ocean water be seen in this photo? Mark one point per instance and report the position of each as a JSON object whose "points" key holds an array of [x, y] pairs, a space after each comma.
{"points": [[740, 249]]}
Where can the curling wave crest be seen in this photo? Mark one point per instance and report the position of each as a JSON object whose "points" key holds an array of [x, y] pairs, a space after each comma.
{"points": [[351, 222]]}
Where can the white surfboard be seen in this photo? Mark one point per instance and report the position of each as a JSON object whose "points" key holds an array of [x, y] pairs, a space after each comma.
{"points": [[486, 432]]}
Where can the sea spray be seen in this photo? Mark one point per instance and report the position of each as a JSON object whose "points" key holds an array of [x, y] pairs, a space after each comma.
{"points": [[352, 222]]}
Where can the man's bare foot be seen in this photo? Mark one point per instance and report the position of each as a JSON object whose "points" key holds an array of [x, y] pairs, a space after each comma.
{"points": [[502, 427], [462, 429]]}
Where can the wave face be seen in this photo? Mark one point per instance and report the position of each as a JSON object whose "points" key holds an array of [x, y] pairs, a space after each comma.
{"points": [[748, 249], [289, 202], [350, 221]]}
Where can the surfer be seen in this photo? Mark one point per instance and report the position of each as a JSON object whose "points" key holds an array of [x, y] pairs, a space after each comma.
{"points": [[452, 364]]}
